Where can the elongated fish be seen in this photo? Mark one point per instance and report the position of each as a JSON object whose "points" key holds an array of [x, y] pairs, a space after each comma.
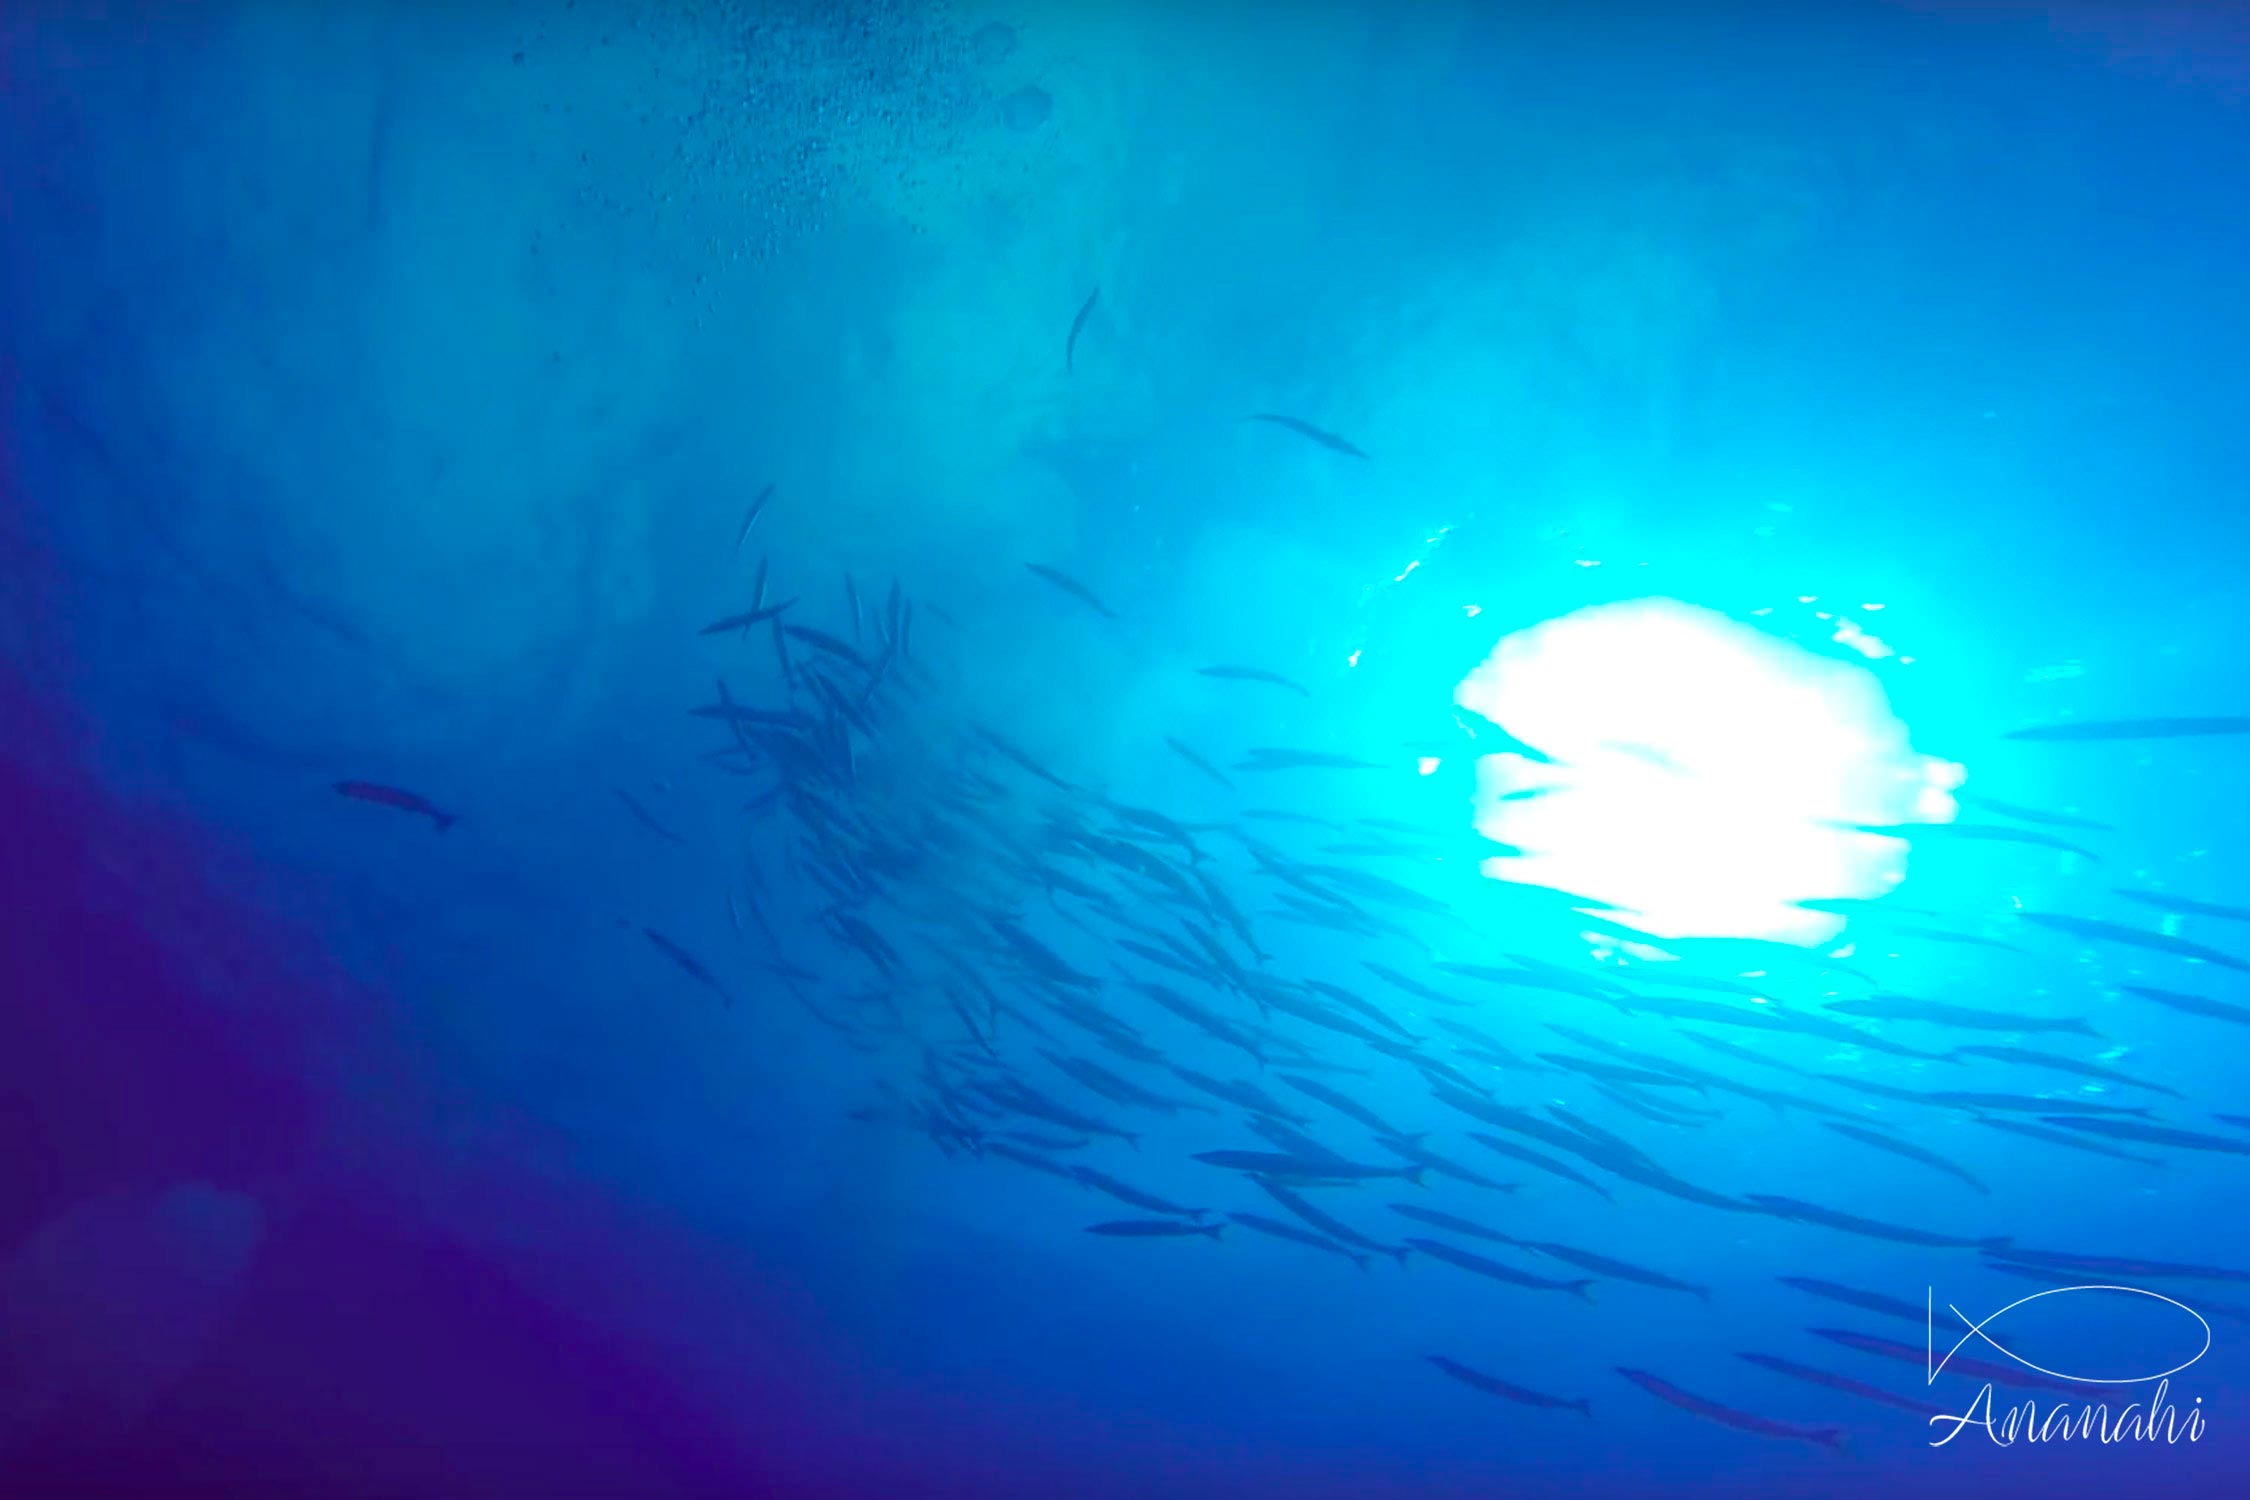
{"points": [[1727, 1416], [2024, 1057], [1199, 763], [746, 619], [1327, 440], [1454, 1223], [1148, 1229], [1281, 1231], [1959, 1364], [1253, 674], [2095, 930], [1126, 1193], [757, 509], [2032, 814], [1906, 1149], [2064, 1138], [1078, 326], [1844, 1383], [2153, 1135], [1967, 1018], [1469, 1260], [1493, 1385], [1852, 1296], [2182, 906], [1603, 1265], [1283, 1167], [2194, 1005], [2117, 1265], [404, 801], [1829, 1218], [1326, 1223], [2132, 729], [646, 818], [1537, 1159], [687, 963], [1072, 587]]}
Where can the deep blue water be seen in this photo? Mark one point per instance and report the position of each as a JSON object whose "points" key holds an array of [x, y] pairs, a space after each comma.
{"points": [[385, 386]]}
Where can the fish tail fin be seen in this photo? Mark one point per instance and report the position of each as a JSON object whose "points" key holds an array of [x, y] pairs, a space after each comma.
{"points": [[1583, 1288], [1582, 1406], [1996, 1242], [1359, 1259], [2079, 1026], [1133, 1139], [1415, 1173], [1213, 1230], [1400, 1252], [445, 820]]}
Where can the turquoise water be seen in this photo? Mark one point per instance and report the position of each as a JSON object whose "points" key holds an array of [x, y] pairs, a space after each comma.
{"points": [[387, 389]]}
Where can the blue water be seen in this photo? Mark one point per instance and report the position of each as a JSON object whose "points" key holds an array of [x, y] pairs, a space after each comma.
{"points": [[384, 389]]}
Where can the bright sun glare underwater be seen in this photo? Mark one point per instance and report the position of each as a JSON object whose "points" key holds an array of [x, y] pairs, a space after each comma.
{"points": [[1700, 770]]}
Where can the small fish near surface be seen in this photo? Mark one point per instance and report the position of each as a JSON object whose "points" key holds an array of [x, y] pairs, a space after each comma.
{"points": [[1328, 440], [405, 801]]}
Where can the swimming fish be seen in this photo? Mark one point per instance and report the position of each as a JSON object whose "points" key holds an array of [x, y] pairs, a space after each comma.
{"points": [[1829, 1218], [1492, 1385], [647, 818], [404, 801], [757, 509], [1077, 325], [1327, 440], [1199, 763], [1941, 1013], [1253, 674], [1492, 1269], [1155, 1229], [2032, 814], [1844, 1383], [747, 619], [2194, 1005], [1072, 587], [1727, 1416], [1906, 1149], [2182, 906], [687, 963], [2096, 930]]}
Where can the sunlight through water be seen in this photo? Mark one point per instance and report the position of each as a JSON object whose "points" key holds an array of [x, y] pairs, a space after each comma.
{"points": [[1700, 771]]}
